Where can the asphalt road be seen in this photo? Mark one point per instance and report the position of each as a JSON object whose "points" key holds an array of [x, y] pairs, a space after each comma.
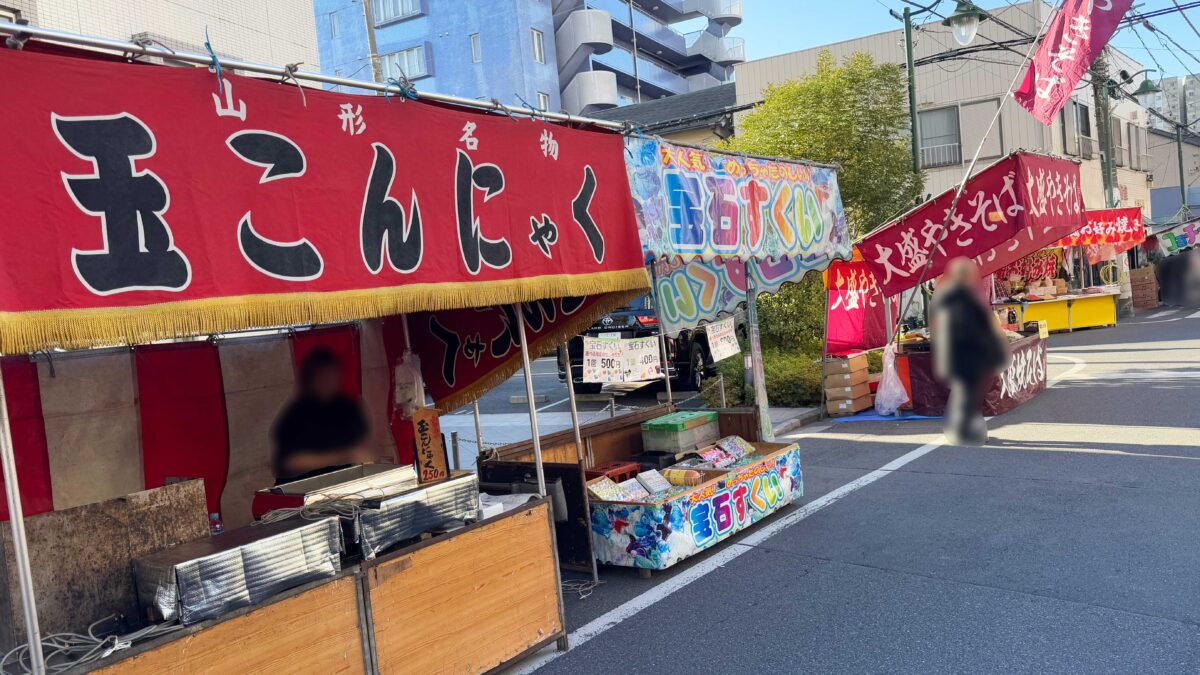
{"points": [[1071, 543]]}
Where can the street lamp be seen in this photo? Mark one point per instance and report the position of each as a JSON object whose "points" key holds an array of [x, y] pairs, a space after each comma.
{"points": [[964, 22]]}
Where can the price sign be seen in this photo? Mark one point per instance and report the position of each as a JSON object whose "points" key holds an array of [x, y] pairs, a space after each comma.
{"points": [[641, 361], [722, 340], [602, 360], [431, 454], [1043, 329]]}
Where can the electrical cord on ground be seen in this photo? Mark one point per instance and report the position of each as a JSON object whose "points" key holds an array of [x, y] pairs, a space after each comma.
{"points": [[582, 587], [65, 651]]}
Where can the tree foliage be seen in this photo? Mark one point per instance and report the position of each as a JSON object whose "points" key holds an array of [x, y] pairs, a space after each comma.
{"points": [[854, 115]]}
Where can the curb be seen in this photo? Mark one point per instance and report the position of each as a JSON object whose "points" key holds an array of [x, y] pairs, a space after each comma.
{"points": [[801, 420]]}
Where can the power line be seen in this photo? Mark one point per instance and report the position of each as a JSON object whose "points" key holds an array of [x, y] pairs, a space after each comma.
{"points": [[1185, 17]]}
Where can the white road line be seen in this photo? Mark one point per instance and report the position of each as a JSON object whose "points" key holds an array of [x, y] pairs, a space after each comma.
{"points": [[1079, 364], [598, 626], [1165, 312], [1194, 316], [551, 405]]}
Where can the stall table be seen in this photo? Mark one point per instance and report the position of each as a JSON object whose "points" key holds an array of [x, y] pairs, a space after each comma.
{"points": [[1023, 379], [1068, 312]]}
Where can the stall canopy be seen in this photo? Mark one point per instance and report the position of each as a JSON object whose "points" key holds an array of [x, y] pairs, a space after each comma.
{"points": [[1008, 210], [146, 203], [1108, 232], [702, 211], [858, 312]]}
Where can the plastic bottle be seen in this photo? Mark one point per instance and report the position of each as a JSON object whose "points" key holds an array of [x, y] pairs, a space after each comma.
{"points": [[215, 526]]}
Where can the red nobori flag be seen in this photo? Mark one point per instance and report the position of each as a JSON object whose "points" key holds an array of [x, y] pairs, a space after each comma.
{"points": [[1075, 38]]}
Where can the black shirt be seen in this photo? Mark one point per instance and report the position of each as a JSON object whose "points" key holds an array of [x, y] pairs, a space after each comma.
{"points": [[310, 425], [965, 343]]}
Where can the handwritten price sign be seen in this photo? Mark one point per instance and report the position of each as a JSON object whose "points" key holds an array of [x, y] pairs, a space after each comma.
{"points": [[602, 360], [641, 360], [722, 341]]}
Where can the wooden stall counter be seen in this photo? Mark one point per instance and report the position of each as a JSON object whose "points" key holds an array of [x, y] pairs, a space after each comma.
{"points": [[469, 601]]}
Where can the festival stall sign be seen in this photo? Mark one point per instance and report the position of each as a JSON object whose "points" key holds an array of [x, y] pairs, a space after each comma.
{"points": [[1037, 265], [1017, 205], [1108, 233], [148, 203], [722, 339], [1074, 39], [1178, 237], [1022, 380], [858, 313], [656, 535]]}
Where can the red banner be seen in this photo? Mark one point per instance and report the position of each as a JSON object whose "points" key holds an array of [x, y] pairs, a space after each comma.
{"points": [[1037, 265], [1109, 226], [1006, 212], [146, 202], [857, 311], [468, 351], [1073, 41]]}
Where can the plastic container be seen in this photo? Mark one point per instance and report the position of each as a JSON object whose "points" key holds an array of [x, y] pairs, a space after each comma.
{"points": [[680, 432], [618, 471]]}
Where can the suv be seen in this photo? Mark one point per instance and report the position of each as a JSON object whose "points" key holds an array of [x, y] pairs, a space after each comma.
{"points": [[688, 359]]}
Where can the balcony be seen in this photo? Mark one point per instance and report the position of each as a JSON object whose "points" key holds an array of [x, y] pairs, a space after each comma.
{"points": [[656, 80], [725, 12], [702, 81], [723, 50], [653, 34], [933, 156], [589, 91]]}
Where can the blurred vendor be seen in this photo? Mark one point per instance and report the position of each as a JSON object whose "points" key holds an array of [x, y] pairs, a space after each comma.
{"points": [[322, 429]]}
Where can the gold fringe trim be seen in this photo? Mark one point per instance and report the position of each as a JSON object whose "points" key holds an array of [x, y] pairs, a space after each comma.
{"points": [[25, 332], [538, 347]]}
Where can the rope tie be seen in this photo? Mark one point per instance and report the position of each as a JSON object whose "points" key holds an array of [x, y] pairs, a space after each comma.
{"points": [[216, 63], [289, 73], [405, 85]]}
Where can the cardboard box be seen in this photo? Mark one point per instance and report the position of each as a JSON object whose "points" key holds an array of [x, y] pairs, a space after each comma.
{"points": [[845, 364], [846, 393], [850, 406], [849, 379]]}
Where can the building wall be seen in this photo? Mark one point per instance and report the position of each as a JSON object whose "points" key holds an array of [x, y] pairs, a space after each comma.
{"points": [[265, 31], [976, 89]]}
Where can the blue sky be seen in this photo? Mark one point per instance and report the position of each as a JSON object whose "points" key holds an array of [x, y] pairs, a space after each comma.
{"points": [[777, 26]]}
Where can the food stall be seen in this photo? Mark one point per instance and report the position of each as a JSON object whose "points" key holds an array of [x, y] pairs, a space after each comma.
{"points": [[1012, 208], [178, 204], [1034, 288], [659, 486]]}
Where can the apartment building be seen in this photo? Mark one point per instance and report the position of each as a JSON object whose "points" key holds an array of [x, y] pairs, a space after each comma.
{"points": [[957, 99], [578, 56], [1165, 197], [1179, 100], [276, 32]]}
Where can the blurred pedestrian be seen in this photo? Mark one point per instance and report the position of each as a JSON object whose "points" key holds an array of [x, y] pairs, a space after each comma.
{"points": [[968, 349]]}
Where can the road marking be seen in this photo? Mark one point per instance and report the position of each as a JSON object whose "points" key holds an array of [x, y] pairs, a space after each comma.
{"points": [[1194, 316], [1079, 364], [599, 625], [551, 405], [1165, 312]]}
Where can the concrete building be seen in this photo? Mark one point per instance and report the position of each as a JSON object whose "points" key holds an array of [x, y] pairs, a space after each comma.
{"points": [[1179, 100], [1165, 198], [957, 99], [275, 32], [572, 55]]}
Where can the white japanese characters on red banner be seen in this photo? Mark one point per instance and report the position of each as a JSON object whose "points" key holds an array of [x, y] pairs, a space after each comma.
{"points": [[722, 340], [602, 360], [641, 361]]}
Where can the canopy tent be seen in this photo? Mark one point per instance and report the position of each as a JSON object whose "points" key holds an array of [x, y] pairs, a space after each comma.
{"points": [[150, 203], [1009, 209], [720, 227]]}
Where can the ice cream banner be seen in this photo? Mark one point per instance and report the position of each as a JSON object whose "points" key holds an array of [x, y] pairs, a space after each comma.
{"points": [[696, 203], [660, 534]]}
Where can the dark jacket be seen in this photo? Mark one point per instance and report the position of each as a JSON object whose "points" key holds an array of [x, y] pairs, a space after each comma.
{"points": [[966, 345]]}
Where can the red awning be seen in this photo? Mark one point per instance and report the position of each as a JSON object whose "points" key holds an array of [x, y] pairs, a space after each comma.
{"points": [[1007, 211]]}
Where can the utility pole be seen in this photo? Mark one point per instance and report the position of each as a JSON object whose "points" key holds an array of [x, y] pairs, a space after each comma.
{"points": [[1184, 211], [1100, 90], [912, 91]]}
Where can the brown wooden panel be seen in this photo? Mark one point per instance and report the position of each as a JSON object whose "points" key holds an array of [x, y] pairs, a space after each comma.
{"points": [[470, 602], [313, 632], [738, 422], [523, 451]]}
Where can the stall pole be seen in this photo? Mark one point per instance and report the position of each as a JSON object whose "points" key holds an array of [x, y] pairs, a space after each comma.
{"points": [[825, 345], [478, 428], [565, 359], [16, 520], [765, 430], [662, 336], [533, 424]]}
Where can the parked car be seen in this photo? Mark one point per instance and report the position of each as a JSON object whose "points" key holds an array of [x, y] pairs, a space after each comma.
{"points": [[688, 357]]}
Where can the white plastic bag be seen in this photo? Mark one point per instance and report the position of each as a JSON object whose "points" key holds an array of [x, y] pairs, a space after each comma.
{"points": [[891, 394]]}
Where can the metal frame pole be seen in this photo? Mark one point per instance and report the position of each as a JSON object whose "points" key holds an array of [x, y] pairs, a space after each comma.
{"points": [[533, 423], [16, 520], [825, 348], [662, 335], [478, 427], [565, 358]]}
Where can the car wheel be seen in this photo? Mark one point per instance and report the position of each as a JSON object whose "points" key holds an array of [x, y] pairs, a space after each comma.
{"points": [[696, 369]]}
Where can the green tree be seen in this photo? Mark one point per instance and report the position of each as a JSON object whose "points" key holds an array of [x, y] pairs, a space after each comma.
{"points": [[854, 115]]}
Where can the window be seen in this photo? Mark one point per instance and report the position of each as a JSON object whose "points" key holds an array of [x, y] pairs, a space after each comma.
{"points": [[333, 25], [539, 46], [1083, 122], [476, 49], [543, 100], [1135, 150], [1119, 149], [940, 143], [390, 10], [408, 63]]}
